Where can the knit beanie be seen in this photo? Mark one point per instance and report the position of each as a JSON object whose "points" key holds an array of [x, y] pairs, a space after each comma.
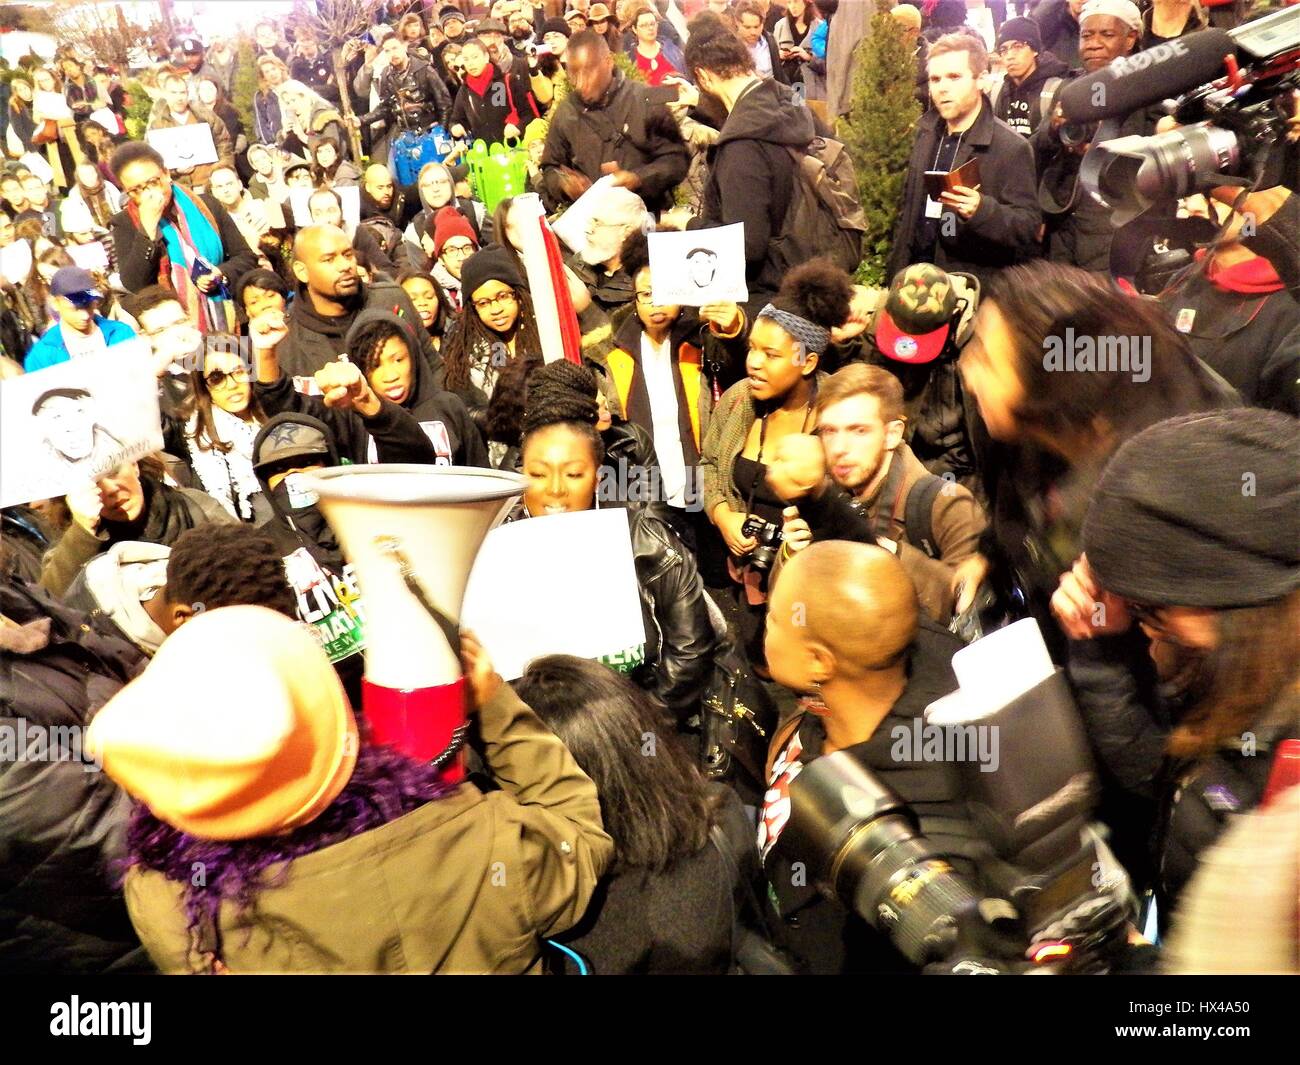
{"points": [[1201, 510], [490, 264], [448, 223]]}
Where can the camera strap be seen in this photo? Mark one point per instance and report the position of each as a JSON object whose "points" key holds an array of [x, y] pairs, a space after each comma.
{"points": [[762, 436]]}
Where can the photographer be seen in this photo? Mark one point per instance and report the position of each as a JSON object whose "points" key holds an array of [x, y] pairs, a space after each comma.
{"points": [[878, 491], [1079, 230], [843, 630], [411, 95], [786, 342]]}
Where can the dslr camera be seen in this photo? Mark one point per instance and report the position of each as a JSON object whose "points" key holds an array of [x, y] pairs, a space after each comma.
{"points": [[768, 535]]}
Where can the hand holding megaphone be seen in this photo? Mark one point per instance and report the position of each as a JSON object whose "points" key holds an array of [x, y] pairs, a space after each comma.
{"points": [[484, 681]]}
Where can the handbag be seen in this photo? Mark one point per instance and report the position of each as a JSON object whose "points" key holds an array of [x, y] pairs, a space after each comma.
{"points": [[47, 134], [736, 720]]}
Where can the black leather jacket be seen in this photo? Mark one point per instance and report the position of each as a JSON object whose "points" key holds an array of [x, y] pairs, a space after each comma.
{"points": [[414, 98], [680, 638]]}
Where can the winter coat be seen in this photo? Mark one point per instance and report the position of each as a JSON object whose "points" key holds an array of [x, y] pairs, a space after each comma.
{"points": [[138, 257], [195, 177], [317, 74], [1058, 28], [268, 118], [751, 175], [112, 588], [956, 520], [1003, 230], [62, 828], [1079, 229], [415, 98], [624, 127], [822, 935], [1021, 106], [1244, 326], [420, 894], [505, 101], [52, 348], [677, 922], [167, 513], [314, 340]]}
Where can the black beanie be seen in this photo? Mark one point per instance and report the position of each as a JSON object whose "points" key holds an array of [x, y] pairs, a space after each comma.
{"points": [[1020, 29], [490, 264], [1202, 510], [555, 25]]}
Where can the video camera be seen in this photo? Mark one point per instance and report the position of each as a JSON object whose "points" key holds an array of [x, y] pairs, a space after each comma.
{"points": [[1059, 902], [1232, 91]]}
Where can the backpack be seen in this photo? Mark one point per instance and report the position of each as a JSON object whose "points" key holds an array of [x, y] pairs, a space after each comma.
{"points": [[918, 512], [1046, 94], [825, 217]]}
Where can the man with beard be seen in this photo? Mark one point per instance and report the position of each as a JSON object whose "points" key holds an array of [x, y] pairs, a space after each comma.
{"points": [[878, 491], [1079, 230], [607, 125], [330, 296], [385, 212], [616, 214], [493, 34]]}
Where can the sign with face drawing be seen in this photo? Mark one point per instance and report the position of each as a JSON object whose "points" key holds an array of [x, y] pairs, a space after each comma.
{"points": [[183, 147], [698, 266]]}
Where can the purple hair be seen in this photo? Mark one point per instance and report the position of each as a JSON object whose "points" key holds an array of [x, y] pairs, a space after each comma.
{"points": [[384, 786]]}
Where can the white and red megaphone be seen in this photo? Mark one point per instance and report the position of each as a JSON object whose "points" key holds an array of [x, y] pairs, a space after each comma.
{"points": [[412, 533]]}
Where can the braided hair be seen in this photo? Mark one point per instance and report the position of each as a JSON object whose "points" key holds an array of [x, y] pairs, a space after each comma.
{"points": [[563, 393], [369, 340], [470, 332]]}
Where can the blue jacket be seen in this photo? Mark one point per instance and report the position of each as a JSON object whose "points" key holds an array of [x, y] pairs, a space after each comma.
{"points": [[50, 350]]}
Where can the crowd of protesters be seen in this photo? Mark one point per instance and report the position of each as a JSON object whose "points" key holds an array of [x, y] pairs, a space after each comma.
{"points": [[853, 481]]}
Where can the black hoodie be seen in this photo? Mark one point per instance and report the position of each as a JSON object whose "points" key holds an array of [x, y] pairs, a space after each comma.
{"points": [[751, 174], [1021, 106]]}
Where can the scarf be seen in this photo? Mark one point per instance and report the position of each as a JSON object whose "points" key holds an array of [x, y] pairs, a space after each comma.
{"points": [[162, 519], [480, 83], [226, 476], [189, 233]]}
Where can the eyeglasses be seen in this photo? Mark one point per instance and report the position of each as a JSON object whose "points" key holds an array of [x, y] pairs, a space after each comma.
{"points": [[646, 299], [218, 378], [457, 251], [160, 182], [505, 299]]}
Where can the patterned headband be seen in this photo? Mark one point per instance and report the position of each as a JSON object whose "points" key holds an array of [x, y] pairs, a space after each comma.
{"points": [[810, 334]]}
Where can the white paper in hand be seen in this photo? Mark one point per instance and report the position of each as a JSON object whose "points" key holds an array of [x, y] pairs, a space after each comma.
{"points": [[184, 147], [571, 227], [72, 423], [699, 266], [521, 601]]}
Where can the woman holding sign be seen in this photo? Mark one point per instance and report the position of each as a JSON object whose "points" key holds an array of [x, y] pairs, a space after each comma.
{"points": [[562, 459], [786, 342]]}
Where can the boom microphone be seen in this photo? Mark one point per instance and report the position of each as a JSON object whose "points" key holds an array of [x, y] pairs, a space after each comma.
{"points": [[1131, 82]]}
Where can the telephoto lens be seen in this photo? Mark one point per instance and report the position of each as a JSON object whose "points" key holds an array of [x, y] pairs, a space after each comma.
{"points": [[862, 846]]}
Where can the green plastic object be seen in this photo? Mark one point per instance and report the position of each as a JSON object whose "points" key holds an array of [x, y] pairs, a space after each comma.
{"points": [[497, 172]]}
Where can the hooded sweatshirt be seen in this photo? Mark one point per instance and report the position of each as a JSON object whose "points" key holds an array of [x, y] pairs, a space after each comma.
{"points": [[1241, 322], [116, 585], [751, 174], [1021, 106], [314, 339]]}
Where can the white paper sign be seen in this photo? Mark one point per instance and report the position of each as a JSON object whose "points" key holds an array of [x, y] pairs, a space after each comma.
{"points": [[38, 165], [521, 603], [571, 227], [92, 256], [183, 147], [48, 104], [699, 266], [105, 118], [69, 424], [16, 262], [350, 195]]}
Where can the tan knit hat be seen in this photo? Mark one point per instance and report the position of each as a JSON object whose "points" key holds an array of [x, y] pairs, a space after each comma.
{"points": [[238, 728]]}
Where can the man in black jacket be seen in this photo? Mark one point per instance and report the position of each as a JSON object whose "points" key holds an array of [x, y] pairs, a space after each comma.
{"points": [[330, 297], [314, 70], [1080, 230], [843, 624], [411, 95], [975, 230], [751, 171], [145, 230], [607, 125]]}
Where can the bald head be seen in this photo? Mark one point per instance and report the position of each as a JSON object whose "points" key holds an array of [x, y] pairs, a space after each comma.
{"points": [[378, 183], [324, 260], [855, 600]]}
